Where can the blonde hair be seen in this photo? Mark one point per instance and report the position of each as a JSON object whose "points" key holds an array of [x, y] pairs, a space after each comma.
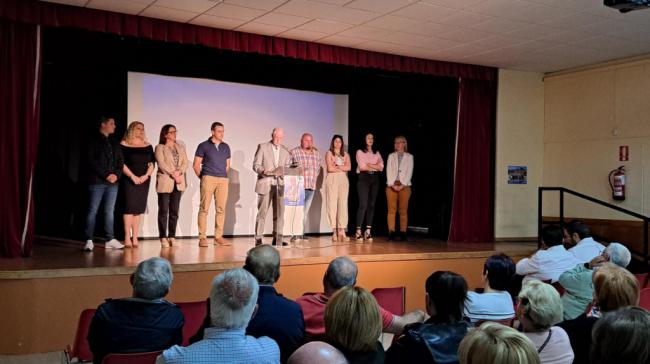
{"points": [[352, 320], [401, 138], [615, 287], [130, 130], [540, 304], [496, 343]]}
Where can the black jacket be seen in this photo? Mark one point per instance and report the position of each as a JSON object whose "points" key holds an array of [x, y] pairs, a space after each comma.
{"points": [[104, 157], [428, 342], [134, 326]]}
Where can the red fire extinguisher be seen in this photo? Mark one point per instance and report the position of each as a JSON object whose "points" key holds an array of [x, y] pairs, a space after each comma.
{"points": [[617, 183]]}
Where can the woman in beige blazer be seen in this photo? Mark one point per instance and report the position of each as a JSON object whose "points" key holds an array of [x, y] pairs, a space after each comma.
{"points": [[170, 183]]}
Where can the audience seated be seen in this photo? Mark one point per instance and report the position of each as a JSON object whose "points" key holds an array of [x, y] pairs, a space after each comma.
{"points": [[495, 303], [142, 323], [493, 343], [539, 309], [579, 291], [233, 300], [437, 339], [277, 317], [550, 261], [614, 287], [622, 336], [342, 272], [353, 325], [583, 246], [317, 352]]}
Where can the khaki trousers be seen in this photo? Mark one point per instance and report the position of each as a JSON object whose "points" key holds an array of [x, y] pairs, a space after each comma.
{"points": [[217, 187], [398, 201], [275, 197], [337, 188]]}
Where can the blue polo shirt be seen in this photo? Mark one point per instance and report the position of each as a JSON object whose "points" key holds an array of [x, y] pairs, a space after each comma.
{"points": [[214, 158]]}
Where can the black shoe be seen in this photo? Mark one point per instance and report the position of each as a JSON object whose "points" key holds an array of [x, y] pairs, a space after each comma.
{"points": [[391, 236], [258, 242], [402, 236], [284, 243], [274, 242]]}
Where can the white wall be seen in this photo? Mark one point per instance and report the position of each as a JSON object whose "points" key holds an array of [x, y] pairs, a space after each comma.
{"points": [[519, 141], [588, 115]]}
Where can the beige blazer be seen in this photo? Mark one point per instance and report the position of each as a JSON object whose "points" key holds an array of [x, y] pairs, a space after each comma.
{"points": [[264, 160], [165, 161]]}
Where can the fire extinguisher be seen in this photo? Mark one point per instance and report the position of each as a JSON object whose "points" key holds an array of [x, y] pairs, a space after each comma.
{"points": [[617, 183]]}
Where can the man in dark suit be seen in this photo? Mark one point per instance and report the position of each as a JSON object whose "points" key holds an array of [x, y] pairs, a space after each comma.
{"points": [[277, 317]]}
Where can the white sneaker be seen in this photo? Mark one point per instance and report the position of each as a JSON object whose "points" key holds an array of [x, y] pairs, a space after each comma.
{"points": [[89, 246], [114, 244]]}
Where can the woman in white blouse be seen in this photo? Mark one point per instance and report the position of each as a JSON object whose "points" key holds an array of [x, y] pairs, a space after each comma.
{"points": [[399, 170]]}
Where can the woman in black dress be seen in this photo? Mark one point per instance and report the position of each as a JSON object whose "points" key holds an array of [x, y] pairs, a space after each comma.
{"points": [[138, 167]]}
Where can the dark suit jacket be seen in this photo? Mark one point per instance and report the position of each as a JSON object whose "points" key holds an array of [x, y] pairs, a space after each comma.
{"points": [[134, 326], [280, 319]]}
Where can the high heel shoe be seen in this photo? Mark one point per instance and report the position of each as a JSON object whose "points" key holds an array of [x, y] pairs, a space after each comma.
{"points": [[164, 243], [335, 237], [342, 236], [358, 236], [367, 236]]}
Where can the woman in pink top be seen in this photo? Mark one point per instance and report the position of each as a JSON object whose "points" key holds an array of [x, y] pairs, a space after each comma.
{"points": [[369, 164]]}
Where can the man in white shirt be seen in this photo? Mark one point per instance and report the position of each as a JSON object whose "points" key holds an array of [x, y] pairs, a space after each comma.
{"points": [[550, 261], [586, 248]]}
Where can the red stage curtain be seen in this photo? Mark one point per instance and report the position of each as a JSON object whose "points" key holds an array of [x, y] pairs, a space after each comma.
{"points": [[19, 117], [56, 15], [472, 214]]}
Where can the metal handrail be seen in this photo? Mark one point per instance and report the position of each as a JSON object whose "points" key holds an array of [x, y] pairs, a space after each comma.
{"points": [[563, 190]]}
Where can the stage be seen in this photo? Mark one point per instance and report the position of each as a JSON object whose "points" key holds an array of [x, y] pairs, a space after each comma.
{"points": [[43, 295]]}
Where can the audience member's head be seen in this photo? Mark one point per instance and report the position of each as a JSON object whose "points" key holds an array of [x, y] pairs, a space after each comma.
{"points": [[614, 287], [495, 343], [552, 235], [341, 272], [263, 262], [152, 279], [498, 271], [622, 336], [576, 230], [618, 254], [317, 352], [352, 320], [233, 299], [540, 306], [446, 295]]}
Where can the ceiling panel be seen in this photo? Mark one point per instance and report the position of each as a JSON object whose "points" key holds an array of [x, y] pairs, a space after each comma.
{"points": [[534, 35]]}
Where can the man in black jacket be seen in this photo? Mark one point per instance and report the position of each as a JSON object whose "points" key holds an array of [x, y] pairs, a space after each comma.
{"points": [[105, 163]]}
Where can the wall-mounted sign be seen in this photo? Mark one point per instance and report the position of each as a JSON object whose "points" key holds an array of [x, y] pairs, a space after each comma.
{"points": [[623, 153], [517, 175]]}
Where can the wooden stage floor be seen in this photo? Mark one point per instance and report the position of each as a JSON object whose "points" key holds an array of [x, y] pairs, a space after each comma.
{"points": [[54, 258]]}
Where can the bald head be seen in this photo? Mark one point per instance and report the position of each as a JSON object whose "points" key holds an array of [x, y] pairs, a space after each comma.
{"points": [[317, 352], [340, 273], [263, 262]]}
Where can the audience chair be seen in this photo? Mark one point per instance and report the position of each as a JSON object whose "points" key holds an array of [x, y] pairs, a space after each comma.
{"points": [[644, 298], [391, 299], [559, 288], [133, 358], [195, 313], [643, 280], [80, 348]]}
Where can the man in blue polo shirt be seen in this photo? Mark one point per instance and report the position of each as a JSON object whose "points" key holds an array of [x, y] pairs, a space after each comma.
{"points": [[211, 165]]}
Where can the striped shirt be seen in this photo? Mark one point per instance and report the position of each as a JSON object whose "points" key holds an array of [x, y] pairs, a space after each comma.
{"points": [[224, 346], [310, 163], [491, 306]]}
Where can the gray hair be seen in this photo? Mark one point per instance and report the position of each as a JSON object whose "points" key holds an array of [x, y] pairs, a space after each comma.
{"points": [[152, 279], [263, 262], [233, 298], [341, 272], [618, 254], [541, 304]]}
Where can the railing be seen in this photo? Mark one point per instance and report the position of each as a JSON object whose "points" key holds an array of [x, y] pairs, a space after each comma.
{"points": [[563, 190]]}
